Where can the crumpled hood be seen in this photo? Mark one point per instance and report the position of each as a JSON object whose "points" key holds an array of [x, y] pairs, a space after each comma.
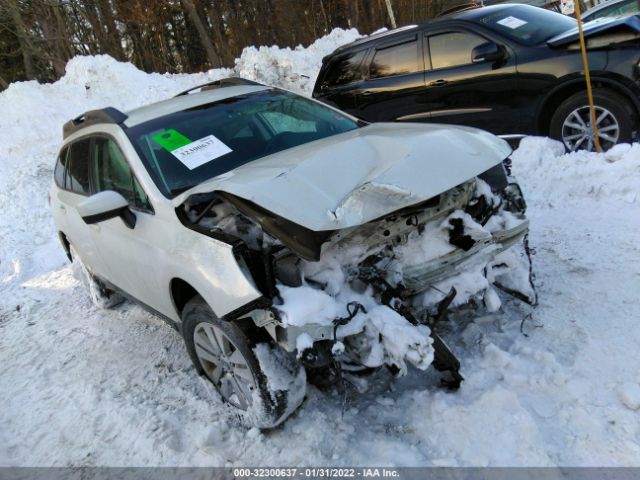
{"points": [[625, 26], [358, 176]]}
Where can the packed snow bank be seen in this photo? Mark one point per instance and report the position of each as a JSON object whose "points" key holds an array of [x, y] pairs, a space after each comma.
{"points": [[294, 69], [556, 179]]}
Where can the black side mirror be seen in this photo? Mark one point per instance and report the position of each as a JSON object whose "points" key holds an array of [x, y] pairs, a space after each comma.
{"points": [[488, 52], [104, 206]]}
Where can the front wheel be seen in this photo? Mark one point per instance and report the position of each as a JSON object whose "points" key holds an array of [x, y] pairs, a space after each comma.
{"points": [[571, 122], [259, 379]]}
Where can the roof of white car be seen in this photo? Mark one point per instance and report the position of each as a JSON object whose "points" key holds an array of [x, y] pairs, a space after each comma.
{"points": [[184, 102]]}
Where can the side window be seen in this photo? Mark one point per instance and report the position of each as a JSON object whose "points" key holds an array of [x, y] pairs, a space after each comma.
{"points": [[344, 69], [112, 172], [61, 163], [77, 179], [625, 8], [395, 60], [452, 49]]}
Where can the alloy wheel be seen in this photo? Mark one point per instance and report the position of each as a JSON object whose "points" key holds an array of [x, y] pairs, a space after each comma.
{"points": [[577, 132], [224, 365]]}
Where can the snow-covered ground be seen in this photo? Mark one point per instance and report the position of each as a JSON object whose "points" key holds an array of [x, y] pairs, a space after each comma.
{"points": [[554, 385]]}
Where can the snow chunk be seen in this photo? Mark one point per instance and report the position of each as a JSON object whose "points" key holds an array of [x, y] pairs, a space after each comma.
{"points": [[304, 305], [303, 342], [629, 395]]}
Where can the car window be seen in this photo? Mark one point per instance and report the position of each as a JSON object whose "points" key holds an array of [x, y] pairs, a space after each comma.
{"points": [[395, 60], [526, 24], [186, 148], [112, 172], [344, 69], [77, 179], [617, 10], [452, 49], [61, 163], [281, 122]]}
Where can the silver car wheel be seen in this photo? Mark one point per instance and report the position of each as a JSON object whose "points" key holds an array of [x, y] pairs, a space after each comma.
{"points": [[224, 365], [577, 132]]}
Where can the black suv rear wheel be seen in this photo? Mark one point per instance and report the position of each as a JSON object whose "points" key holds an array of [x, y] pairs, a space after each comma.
{"points": [[571, 122]]}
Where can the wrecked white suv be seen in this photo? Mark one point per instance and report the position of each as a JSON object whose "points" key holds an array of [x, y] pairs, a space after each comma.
{"points": [[281, 236]]}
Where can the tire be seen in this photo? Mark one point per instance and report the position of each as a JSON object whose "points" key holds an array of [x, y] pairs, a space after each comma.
{"points": [[235, 365], [571, 120], [101, 296]]}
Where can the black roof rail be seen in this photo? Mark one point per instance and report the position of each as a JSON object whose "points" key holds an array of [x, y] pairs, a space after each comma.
{"points": [[462, 7], [370, 38], [93, 117], [223, 82]]}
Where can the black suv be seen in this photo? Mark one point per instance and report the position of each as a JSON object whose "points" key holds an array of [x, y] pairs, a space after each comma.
{"points": [[510, 69]]}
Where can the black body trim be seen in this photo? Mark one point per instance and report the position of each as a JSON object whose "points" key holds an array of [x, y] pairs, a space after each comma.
{"points": [[93, 117]]}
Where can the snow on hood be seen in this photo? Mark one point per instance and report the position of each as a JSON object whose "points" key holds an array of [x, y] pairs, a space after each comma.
{"points": [[355, 177]]}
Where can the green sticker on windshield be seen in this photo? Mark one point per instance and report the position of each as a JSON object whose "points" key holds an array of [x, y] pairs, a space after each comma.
{"points": [[171, 140]]}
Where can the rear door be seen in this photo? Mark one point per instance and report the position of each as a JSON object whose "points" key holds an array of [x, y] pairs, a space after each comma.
{"points": [[73, 180], [341, 80], [394, 78], [483, 95]]}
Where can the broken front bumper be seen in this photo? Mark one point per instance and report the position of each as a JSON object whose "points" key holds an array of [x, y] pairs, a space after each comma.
{"points": [[418, 277]]}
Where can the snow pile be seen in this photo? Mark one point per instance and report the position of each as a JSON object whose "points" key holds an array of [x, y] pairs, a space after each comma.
{"points": [[377, 333], [295, 69], [556, 179]]}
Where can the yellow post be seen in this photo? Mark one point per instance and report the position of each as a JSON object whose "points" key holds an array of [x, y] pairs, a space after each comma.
{"points": [[585, 63]]}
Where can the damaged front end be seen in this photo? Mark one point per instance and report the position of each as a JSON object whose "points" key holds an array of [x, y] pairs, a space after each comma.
{"points": [[370, 295]]}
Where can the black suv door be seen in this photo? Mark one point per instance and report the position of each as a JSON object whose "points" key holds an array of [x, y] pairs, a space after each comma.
{"points": [[340, 79], [395, 77], [483, 94]]}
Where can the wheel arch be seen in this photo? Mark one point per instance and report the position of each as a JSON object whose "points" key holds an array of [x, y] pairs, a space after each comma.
{"points": [[181, 292], [560, 93]]}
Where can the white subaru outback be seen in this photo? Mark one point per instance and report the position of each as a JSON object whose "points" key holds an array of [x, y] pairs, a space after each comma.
{"points": [[283, 237]]}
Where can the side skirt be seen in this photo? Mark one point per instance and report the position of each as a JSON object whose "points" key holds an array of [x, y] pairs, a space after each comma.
{"points": [[131, 298]]}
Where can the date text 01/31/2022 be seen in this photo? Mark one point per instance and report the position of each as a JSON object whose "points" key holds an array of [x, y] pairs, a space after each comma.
{"points": [[316, 472]]}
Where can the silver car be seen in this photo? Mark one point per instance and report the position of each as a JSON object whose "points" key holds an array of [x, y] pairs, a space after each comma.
{"points": [[283, 237]]}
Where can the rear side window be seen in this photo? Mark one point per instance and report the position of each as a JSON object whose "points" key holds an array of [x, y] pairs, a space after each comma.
{"points": [[453, 49], [618, 10], [395, 60], [112, 172], [58, 173], [78, 169], [344, 69]]}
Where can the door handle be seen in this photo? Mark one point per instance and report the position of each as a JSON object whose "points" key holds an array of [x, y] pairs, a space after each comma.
{"points": [[63, 208], [95, 227], [366, 93], [438, 83]]}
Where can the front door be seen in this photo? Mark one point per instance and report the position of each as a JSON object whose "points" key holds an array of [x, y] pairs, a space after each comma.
{"points": [[129, 253], [483, 95]]}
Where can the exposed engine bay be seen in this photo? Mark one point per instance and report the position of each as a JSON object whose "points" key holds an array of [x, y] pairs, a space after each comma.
{"points": [[370, 295]]}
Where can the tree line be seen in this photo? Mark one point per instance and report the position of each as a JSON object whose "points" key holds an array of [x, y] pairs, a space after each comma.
{"points": [[38, 37]]}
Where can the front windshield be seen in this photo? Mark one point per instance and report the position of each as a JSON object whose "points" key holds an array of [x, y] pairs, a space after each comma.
{"points": [[183, 149], [528, 25]]}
